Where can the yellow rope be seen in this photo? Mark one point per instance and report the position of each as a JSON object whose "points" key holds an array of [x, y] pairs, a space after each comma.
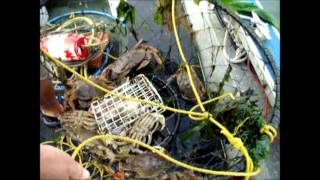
{"points": [[87, 20], [207, 102], [95, 170], [163, 155], [199, 116], [236, 142], [184, 59], [61, 141], [81, 70], [270, 131], [235, 131], [59, 63], [70, 145], [85, 70]]}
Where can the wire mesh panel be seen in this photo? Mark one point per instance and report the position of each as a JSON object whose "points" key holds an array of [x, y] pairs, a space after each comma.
{"points": [[115, 114]]}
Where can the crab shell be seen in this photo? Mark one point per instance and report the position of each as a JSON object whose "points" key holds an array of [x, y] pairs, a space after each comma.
{"points": [[83, 93], [146, 165], [139, 56], [81, 125], [123, 65], [185, 86]]}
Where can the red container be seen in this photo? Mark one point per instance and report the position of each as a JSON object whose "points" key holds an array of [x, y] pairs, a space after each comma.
{"points": [[97, 62], [67, 46]]}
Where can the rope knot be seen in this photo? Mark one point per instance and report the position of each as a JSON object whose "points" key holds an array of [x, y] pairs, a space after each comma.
{"points": [[236, 142], [206, 115]]}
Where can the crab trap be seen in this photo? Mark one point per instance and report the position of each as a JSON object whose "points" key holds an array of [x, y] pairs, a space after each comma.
{"points": [[207, 34], [116, 115]]}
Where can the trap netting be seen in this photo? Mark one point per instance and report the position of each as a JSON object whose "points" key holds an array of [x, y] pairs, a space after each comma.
{"points": [[232, 58]]}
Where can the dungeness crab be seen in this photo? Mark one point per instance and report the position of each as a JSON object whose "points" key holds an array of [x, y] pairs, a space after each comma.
{"points": [[80, 93], [138, 56], [184, 84], [81, 125]]}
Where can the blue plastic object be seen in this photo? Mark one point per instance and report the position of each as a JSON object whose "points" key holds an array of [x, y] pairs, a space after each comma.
{"points": [[54, 19]]}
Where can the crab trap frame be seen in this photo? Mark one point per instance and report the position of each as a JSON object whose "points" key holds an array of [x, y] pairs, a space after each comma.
{"points": [[115, 114]]}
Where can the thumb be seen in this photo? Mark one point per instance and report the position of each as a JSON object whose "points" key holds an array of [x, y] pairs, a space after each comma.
{"points": [[56, 164], [77, 172]]}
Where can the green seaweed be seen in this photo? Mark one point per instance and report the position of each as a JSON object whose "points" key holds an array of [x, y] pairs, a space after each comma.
{"points": [[232, 113], [158, 16], [194, 130]]}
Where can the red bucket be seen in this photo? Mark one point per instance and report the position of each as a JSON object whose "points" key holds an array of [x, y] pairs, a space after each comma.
{"points": [[97, 62]]}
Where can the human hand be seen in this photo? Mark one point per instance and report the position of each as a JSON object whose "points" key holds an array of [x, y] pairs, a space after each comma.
{"points": [[58, 165]]}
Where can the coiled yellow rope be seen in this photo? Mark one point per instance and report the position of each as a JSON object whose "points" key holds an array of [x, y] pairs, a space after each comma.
{"points": [[160, 153]]}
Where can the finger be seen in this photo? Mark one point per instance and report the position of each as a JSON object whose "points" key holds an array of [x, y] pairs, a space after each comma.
{"points": [[56, 164], [77, 172]]}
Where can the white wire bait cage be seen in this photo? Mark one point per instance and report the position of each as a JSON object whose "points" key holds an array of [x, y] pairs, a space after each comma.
{"points": [[116, 115]]}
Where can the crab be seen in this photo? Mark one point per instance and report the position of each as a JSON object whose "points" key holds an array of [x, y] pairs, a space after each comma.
{"points": [[184, 85], [81, 93], [144, 127], [137, 57], [78, 120], [81, 125], [146, 165]]}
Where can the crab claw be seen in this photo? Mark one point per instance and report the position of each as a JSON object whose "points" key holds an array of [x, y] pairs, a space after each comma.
{"points": [[157, 57], [144, 63], [108, 73], [159, 118], [149, 139]]}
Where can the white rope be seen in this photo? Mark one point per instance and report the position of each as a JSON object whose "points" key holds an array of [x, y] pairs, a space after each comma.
{"points": [[241, 54]]}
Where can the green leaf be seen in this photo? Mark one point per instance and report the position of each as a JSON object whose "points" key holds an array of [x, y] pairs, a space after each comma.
{"points": [[158, 17], [246, 7], [257, 144], [196, 2], [126, 11], [243, 6], [266, 16]]}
